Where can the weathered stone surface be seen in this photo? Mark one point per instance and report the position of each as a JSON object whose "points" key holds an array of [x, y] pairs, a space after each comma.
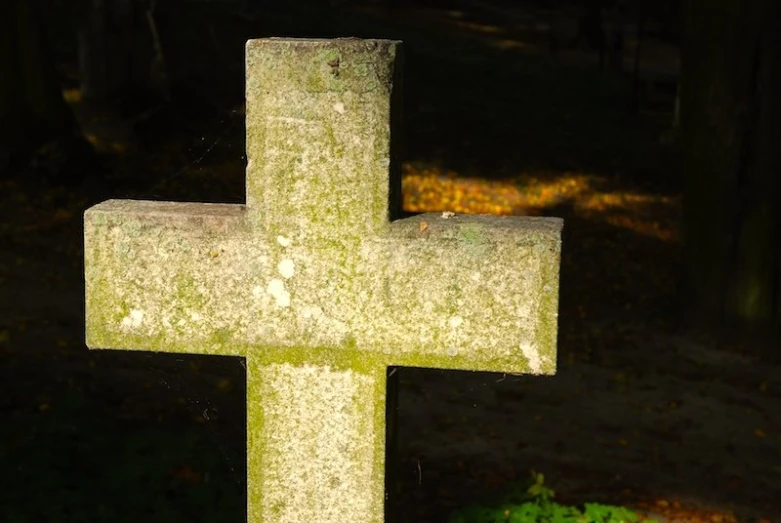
{"points": [[317, 285]]}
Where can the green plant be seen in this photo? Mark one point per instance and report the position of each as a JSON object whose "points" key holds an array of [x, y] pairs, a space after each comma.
{"points": [[533, 503]]}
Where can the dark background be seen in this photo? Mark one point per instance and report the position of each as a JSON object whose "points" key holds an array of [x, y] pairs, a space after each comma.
{"points": [[667, 392]]}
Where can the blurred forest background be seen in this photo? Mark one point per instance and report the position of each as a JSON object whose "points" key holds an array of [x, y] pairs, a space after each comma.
{"points": [[652, 127]]}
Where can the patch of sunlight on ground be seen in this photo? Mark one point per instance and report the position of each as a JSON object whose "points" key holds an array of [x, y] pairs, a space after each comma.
{"points": [[433, 190], [72, 96]]}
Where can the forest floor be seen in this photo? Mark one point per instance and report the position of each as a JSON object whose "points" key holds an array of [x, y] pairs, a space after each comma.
{"points": [[640, 414]]}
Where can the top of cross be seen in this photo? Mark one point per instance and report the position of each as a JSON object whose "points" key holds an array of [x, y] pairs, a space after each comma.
{"points": [[321, 114]]}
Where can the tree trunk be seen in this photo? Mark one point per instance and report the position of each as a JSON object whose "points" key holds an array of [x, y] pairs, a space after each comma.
{"points": [[731, 136], [32, 109]]}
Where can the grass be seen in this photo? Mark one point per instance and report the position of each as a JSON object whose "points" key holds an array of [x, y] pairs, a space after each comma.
{"points": [[533, 503]]}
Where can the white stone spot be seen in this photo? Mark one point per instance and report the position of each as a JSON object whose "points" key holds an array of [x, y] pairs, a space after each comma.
{"points": [[257, 291], [196, 316], [448, 214], [531, 354], [286, 268], [451, 351], [284, 242], [339, 107], [476, 276], [524, 311], [133, 319], [428, 306], [456, 321], [309, 312], [276, 288]]}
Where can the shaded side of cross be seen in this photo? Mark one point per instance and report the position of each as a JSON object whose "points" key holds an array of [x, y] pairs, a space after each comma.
{"points": [[318, 284]]}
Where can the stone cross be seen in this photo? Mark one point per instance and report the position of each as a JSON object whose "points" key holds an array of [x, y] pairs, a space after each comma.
{"points": [[318, 284]]}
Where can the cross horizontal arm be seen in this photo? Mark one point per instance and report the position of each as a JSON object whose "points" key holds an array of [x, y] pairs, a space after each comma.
{"points": [[185, 277]]}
